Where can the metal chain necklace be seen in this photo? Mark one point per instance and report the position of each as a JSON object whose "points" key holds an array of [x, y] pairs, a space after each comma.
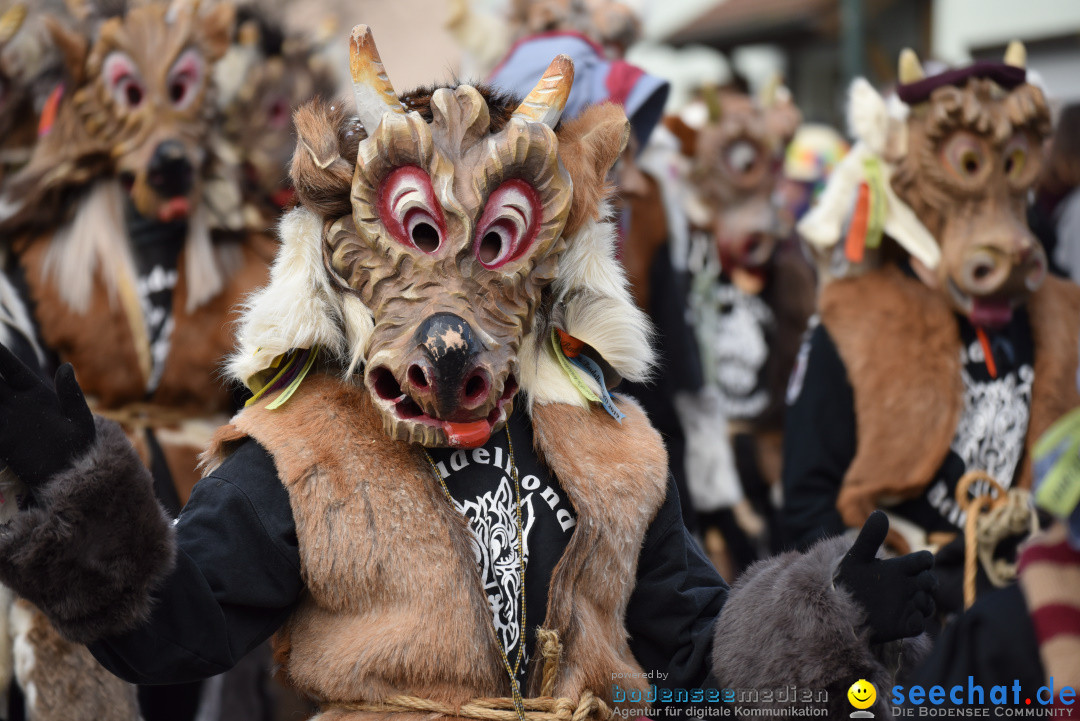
{"points": [[511, 670]]}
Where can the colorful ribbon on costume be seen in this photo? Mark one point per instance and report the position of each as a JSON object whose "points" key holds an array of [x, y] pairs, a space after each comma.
{"points": [[567, 350]]}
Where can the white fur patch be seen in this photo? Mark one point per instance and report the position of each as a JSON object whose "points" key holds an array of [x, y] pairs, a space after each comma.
{"points": [[598, 309], [21, 620], [95, 241], [299, 308], [877, 126]]}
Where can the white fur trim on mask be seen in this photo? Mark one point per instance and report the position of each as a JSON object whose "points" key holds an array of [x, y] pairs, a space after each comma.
{"points": [[593, 302], [299, 308]]}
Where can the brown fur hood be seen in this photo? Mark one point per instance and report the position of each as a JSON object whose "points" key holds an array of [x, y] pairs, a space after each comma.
{"points": [[900, 344], [365, 505]]}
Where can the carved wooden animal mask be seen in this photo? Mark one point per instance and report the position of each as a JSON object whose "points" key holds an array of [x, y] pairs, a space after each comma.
{"points": [[439, 238], [737, 161], [455, 232], [973, 151], [142, 96]]}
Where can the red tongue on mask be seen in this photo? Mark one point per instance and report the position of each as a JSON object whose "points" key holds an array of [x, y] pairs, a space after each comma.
{"points": [[987, 313], [174, 209], [467, 435]]}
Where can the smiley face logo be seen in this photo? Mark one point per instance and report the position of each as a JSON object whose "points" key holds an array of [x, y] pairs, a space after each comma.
{"points": [[862, 694]]}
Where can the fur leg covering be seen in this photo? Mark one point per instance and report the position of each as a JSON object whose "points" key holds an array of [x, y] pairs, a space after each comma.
{"points": [[94, 543], [786, 623], [60, 680]]}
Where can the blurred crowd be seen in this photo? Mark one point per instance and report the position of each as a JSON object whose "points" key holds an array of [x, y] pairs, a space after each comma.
{"points": [[847, 319]]}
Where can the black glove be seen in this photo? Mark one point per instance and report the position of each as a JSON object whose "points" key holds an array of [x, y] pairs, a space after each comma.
{"points": [[42, 432], [896, 593]]}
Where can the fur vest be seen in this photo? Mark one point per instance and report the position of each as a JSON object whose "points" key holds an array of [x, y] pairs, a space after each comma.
{"points": [[395, 603], [901, 346], [110, 352]]}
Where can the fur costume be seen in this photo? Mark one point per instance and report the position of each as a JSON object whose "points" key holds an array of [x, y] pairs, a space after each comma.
{"points": [[387, 270], [887, 327], [925, 224], [830, 625]]}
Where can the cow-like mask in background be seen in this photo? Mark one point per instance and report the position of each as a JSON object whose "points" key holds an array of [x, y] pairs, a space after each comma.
{"points": [[956, 155], [974, 150], [139, 103], [455, 231], [737, 159]]}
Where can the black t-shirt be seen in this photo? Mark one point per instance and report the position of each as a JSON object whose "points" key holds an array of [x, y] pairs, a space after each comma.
{"points": [[820, 436], [993, 424], [482, 486], [156, 248]]}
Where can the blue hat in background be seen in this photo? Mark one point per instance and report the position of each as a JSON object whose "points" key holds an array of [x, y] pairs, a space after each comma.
{"points": [[596, 78]]}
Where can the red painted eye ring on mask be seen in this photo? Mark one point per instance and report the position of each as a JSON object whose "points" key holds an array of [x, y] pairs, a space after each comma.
{"points": [[407, 209], [509, 224]]}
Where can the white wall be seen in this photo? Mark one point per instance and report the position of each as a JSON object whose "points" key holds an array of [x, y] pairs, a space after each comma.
{"points": [[960, 25]]}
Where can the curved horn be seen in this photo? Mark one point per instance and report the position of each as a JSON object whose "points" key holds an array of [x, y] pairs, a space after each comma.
{"points": [[11, 21], [374, 94], [910, 69], [546, 101], [1016, 54]]}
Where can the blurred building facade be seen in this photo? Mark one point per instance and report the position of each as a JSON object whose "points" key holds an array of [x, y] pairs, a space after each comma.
{"points": [[819, 45]]}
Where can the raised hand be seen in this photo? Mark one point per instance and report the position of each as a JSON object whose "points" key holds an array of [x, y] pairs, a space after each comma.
{"points": [[896, 592], [42, 431]]}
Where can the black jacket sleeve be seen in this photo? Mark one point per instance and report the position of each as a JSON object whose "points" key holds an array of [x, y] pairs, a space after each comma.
{"points": [[237, 577], [819, 444], [673, 609]]}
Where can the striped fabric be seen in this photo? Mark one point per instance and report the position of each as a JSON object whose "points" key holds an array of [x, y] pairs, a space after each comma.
{"points": [[1050, 579]]}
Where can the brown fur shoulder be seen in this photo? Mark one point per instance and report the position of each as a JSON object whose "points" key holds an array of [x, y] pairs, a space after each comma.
{"points": [[900, 344]]}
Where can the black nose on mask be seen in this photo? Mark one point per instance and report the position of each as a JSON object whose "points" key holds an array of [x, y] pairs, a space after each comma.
{"points": [[170, 173]]}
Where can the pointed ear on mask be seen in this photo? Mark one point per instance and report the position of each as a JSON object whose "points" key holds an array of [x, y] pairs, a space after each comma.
{"points": [[588, 146], [72, 45], [218, 28]]}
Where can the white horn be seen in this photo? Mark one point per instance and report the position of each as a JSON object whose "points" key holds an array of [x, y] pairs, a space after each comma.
{"points": [[546, 101], [374, 94]]}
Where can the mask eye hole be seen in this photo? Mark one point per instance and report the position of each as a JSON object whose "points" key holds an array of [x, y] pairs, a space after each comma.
{"points": [[123, 81], [965, 156], [185, 79], [425, 236], [408, 209], [509, 224]]}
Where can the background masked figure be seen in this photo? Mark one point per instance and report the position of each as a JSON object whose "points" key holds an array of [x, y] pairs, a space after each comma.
{"points": [[943, 354], [420, 499], [753, 293]]}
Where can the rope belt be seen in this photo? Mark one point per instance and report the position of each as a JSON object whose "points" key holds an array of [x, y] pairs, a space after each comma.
{"points": [[991, 518], [542, 708]]}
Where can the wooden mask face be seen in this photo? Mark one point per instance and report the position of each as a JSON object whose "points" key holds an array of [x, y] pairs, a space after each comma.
{"points": [[146, 99], [455, 232], [974, 150], [737, 161]]}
